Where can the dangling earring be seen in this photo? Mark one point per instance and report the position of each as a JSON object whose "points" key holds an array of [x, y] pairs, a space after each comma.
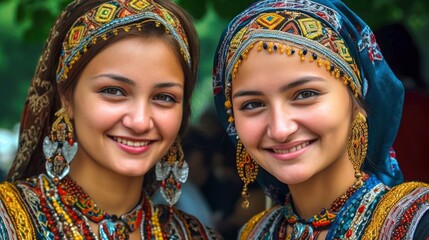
{"points": [[59, 147], [172, 171], [357, 145], [247, 169]]}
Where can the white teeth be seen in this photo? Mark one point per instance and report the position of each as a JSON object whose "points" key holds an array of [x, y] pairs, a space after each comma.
{"points": [[131, 143], [293, 149]]}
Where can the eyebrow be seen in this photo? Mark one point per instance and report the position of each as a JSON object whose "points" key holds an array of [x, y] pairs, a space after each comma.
{"points": [[299, 82], [133, 83], [168, 85], [116, 78]]}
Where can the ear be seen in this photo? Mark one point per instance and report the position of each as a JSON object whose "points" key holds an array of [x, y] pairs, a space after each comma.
{"points": [[68, 106], [357, 108]]}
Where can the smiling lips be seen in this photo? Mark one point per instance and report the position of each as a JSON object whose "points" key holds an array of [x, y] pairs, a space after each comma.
{"points": [[131, 143], [291, 150]]}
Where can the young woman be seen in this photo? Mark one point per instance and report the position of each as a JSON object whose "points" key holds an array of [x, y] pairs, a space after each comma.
{"points": [[307, 97], [108, 102]]}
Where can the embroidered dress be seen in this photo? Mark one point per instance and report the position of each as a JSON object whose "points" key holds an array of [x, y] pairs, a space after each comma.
{"points": [[38, 209], [52, 206], [372, 212], [326, 33]]}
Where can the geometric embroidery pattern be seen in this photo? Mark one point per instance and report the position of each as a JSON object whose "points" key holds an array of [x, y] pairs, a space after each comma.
{"points": [[343, 50], [270, 20], [237, 38], [168, 17], [76, 34], [291, 27], [108, 18], [138, 4], [306, 29], [105, 13], [311, 28]]}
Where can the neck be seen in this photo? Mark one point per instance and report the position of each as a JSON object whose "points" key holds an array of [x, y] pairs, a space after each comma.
{"points": [[114, 193], [320, 191]]}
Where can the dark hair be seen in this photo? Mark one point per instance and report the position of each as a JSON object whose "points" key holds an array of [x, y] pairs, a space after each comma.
{"points": [[48, 63]]}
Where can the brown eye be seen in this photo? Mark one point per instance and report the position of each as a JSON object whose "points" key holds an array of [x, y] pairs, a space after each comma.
{"points": [[251, 105], [165, 98], [112, 91], [306, 94]]}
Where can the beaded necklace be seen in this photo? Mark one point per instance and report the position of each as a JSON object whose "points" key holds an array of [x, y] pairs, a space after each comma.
{"points": [[68, 210], [110, 226], [305, 230]]}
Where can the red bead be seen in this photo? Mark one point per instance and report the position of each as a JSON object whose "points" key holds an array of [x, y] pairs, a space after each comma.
{"points": [[349, 233]]}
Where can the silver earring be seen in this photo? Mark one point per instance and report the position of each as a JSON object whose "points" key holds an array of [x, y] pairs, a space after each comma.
{"points": [[172, 171], [59, 147]]}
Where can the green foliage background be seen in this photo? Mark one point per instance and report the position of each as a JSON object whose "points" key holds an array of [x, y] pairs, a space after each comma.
{"points": [[24, 26]]}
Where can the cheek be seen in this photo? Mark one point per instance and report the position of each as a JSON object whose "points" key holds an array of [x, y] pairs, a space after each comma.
{"points": [[94, 115], [250, 130], [169, 121], [327, 119]]}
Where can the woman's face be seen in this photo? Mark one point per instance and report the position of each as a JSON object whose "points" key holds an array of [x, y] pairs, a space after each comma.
{"points": [[293, 117], [127, 106]]}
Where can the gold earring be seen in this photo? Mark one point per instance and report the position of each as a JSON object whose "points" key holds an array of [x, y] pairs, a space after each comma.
{"points": [[247, 169], [59, 147], [172, 171], [358, 145]]}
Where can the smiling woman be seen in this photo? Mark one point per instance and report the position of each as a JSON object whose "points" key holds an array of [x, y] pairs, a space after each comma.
{"points": [[142, 109], [303, 90], [105, 110]]}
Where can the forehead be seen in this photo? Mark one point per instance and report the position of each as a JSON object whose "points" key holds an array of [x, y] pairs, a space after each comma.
{"points": [[137, 58], [261, 67]]}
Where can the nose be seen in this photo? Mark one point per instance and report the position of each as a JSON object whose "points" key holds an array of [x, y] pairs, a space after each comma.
{"points": [[139, 118], [281, 124]]}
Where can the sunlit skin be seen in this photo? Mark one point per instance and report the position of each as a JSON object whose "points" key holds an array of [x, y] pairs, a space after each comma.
{"points": [[293, 117], [127, 110]]}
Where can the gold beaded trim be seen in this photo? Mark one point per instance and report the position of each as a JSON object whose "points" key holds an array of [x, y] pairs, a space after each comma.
{"points": [[105, 20], [17, 212], [289, 49], [65, 67], [385, 205], [304, 54], [247, 229]]}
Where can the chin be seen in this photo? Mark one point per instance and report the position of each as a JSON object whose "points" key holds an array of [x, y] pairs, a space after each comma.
{"points": [[132, 171], [294, 178]]}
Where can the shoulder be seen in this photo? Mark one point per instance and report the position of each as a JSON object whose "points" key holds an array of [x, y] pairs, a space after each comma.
{"points": [[261, 224], [15, 221], [184, 225], [400, 212]]}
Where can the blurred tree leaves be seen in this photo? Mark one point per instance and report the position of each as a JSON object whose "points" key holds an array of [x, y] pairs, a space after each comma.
{"points": [[414, 14], [24, 26], [37, 16]]}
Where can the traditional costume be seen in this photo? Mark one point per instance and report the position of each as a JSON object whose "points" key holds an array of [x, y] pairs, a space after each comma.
{"points": [[40, 201], [328, 34]]}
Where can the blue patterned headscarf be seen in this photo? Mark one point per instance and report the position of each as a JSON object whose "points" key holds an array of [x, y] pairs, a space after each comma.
{"points": [[350, 46]]}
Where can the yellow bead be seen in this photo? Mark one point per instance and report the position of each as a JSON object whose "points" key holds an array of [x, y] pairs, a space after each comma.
{"points": [[228, 104]]}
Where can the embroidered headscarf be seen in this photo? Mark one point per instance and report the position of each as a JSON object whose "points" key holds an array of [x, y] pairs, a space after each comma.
{"points": [[82, 25], [327, 33]]}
